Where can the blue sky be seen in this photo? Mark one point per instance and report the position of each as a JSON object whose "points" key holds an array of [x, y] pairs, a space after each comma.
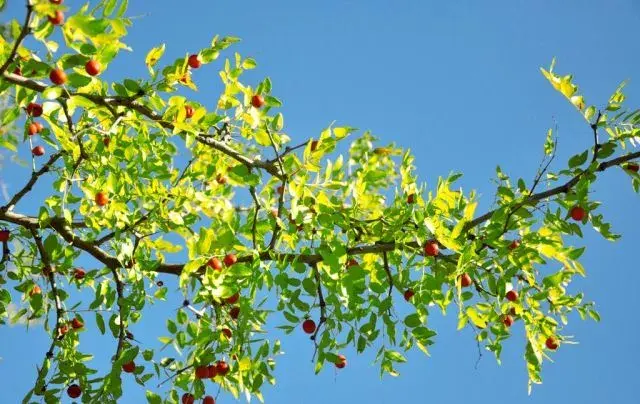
{"points": [[458, 82]]}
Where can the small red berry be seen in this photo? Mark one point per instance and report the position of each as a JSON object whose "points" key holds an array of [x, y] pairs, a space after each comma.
{"points": [[222, 368], [62, 330], [551, 343], [194, 61], [33, 109], [215, 263], [106, 141], [129, 367], [33, 129], [411, 198], [79, 273], [309, 326], [202, 372], [188, 398], [17, 71], [226, 332], [38, 151], [101, 199], [234, 312], [257, 101], [74, 391], [208, 400], [341, 362], [352, 263], [507, 320], [512, 295], [633, 167], [577, 213], [58, 77], [76, 324], [465, 280], [188, 110], [93, 67], [56, 1], [57, 18], [431, 248], [514, 244], [408, 294], [4, 235], [233, 299], [35, 290], [230, 259], [221, 179]]}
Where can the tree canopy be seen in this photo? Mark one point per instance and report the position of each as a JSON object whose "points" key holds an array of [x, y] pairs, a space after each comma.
{"points": [[341, 241]]}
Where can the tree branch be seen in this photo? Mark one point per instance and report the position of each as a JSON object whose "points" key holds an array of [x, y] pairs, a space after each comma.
{"points": [[23, 33]]}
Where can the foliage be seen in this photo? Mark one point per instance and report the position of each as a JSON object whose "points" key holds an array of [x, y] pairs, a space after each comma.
{"points": [[142, 176]]}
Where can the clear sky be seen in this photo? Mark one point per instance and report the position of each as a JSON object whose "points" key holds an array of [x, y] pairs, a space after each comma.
{"points": [[458, 82]]}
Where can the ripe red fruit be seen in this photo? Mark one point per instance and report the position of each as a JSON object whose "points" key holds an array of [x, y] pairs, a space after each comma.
{"points": [[202, 372], [222, 368], [431, 248], [101, 199], [514, 244], [106, 141], [234, 312], [221, 179], [58, 77], [56, 1], [465, 280], [411, 198], [194, 61], [76, 324], [507, 320], [230, 259], [551, 343], [4, 235], [633, 167], [280, 190], [211, 371], [62, 330], [57, 18], [93, 67], [74, 391], [226, 332], [341, 362], [187, 398], [512, 295], [352, 263], [129, 367], [208, 400], [17, 71], [188, 110], [512, 311], [309, 326], [314, 145], [33, 109], [79, 273], [408, 294], [35, 290], [233, 299], [38, 151], [577, 213], [34, 128], [215, 263], [257, 101]]}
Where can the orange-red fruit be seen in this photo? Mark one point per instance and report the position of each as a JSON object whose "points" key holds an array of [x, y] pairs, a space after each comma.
{"points": [[280, 190], [202, 372], [101, 199], [222, 368], [411, 198], [33, 109], [4, 235], [551, 343], [230, 259], [408, 294], [215, 263], [58, 77], [431, 248], [34, 128], [79, 273], [465, 280], [56, 1], [188, 398], [93, 67], [512, 295], [577, 213], [62, 330], [38, 151], [226, 332], [208, 400], [514, 244], [341, 362], [234, 298], [211, 371], [35, 291], [74, 391], [234, 312], [221, 179], [633, 167], [352, 263], [507, 320], [129, 367], [17, 71], [76, 324], [57, 18], [194, 61], [188, 110], [309, 326], [257, 101]]}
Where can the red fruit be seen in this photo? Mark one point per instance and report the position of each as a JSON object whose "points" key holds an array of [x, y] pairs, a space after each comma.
{"points": [[411, 198], [33, 109], [101, 199], [221, 179], [129, 367], [211, 371], [57, 18], [79, 273], [512, 311], [257, 101], [4, 235], [194, 61], [56, 1], [431, 248], [74, 391], [208, 400], [233, 299], [33, 128], [202, 372], [512, 295], [408, 294], [280, 190], [352, 263], [38, 151], [222, 368], [577, 213], [188, 110], [309, 326], [507, 320], [230, 259], [633, 167], [215, 263], [465, 280], [35, 291], [314, 145], [226, 332], [106, 141], [58, 77], [234, 312], [76, 324], [341, 362], [514, 244], [17, 71], [551, 343], [188, 398], [93, 67]]}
